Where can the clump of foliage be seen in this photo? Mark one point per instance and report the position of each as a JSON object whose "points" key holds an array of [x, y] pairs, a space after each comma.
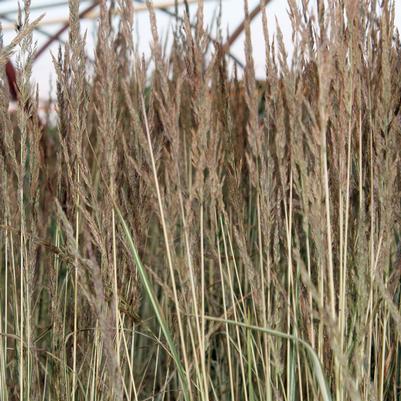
{"points": [[183, 234]]}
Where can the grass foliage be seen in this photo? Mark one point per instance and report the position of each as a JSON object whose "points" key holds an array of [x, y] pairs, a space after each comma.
{"points": [[184, 234]]}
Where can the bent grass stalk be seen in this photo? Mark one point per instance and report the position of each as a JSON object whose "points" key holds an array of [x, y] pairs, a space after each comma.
{"points": [[316, 365], [315, 362]]}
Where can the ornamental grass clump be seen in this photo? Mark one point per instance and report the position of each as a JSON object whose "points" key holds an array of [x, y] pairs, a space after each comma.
{"points": [[186, 231]]}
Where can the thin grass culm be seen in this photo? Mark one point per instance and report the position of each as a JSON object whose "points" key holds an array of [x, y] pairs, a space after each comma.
{"points": [[180, 227]]}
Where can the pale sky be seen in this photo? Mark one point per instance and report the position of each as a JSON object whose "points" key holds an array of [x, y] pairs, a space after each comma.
{"points": [[232, 14]]}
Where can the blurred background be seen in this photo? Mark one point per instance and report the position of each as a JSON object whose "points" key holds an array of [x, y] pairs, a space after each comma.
{"points": [[232, 14]]}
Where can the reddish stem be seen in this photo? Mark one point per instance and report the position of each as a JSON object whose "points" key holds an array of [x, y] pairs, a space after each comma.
{"points": [[12, 80]]}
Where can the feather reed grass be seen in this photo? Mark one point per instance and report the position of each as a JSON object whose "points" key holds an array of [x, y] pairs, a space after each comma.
{"points": [[185, 234]]}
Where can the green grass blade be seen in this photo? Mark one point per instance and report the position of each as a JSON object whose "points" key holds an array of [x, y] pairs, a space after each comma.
{"points": [[316, 365], [155, 305]]}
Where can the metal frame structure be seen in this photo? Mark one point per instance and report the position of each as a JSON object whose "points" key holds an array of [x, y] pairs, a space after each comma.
{"points": [[90, 12]]}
